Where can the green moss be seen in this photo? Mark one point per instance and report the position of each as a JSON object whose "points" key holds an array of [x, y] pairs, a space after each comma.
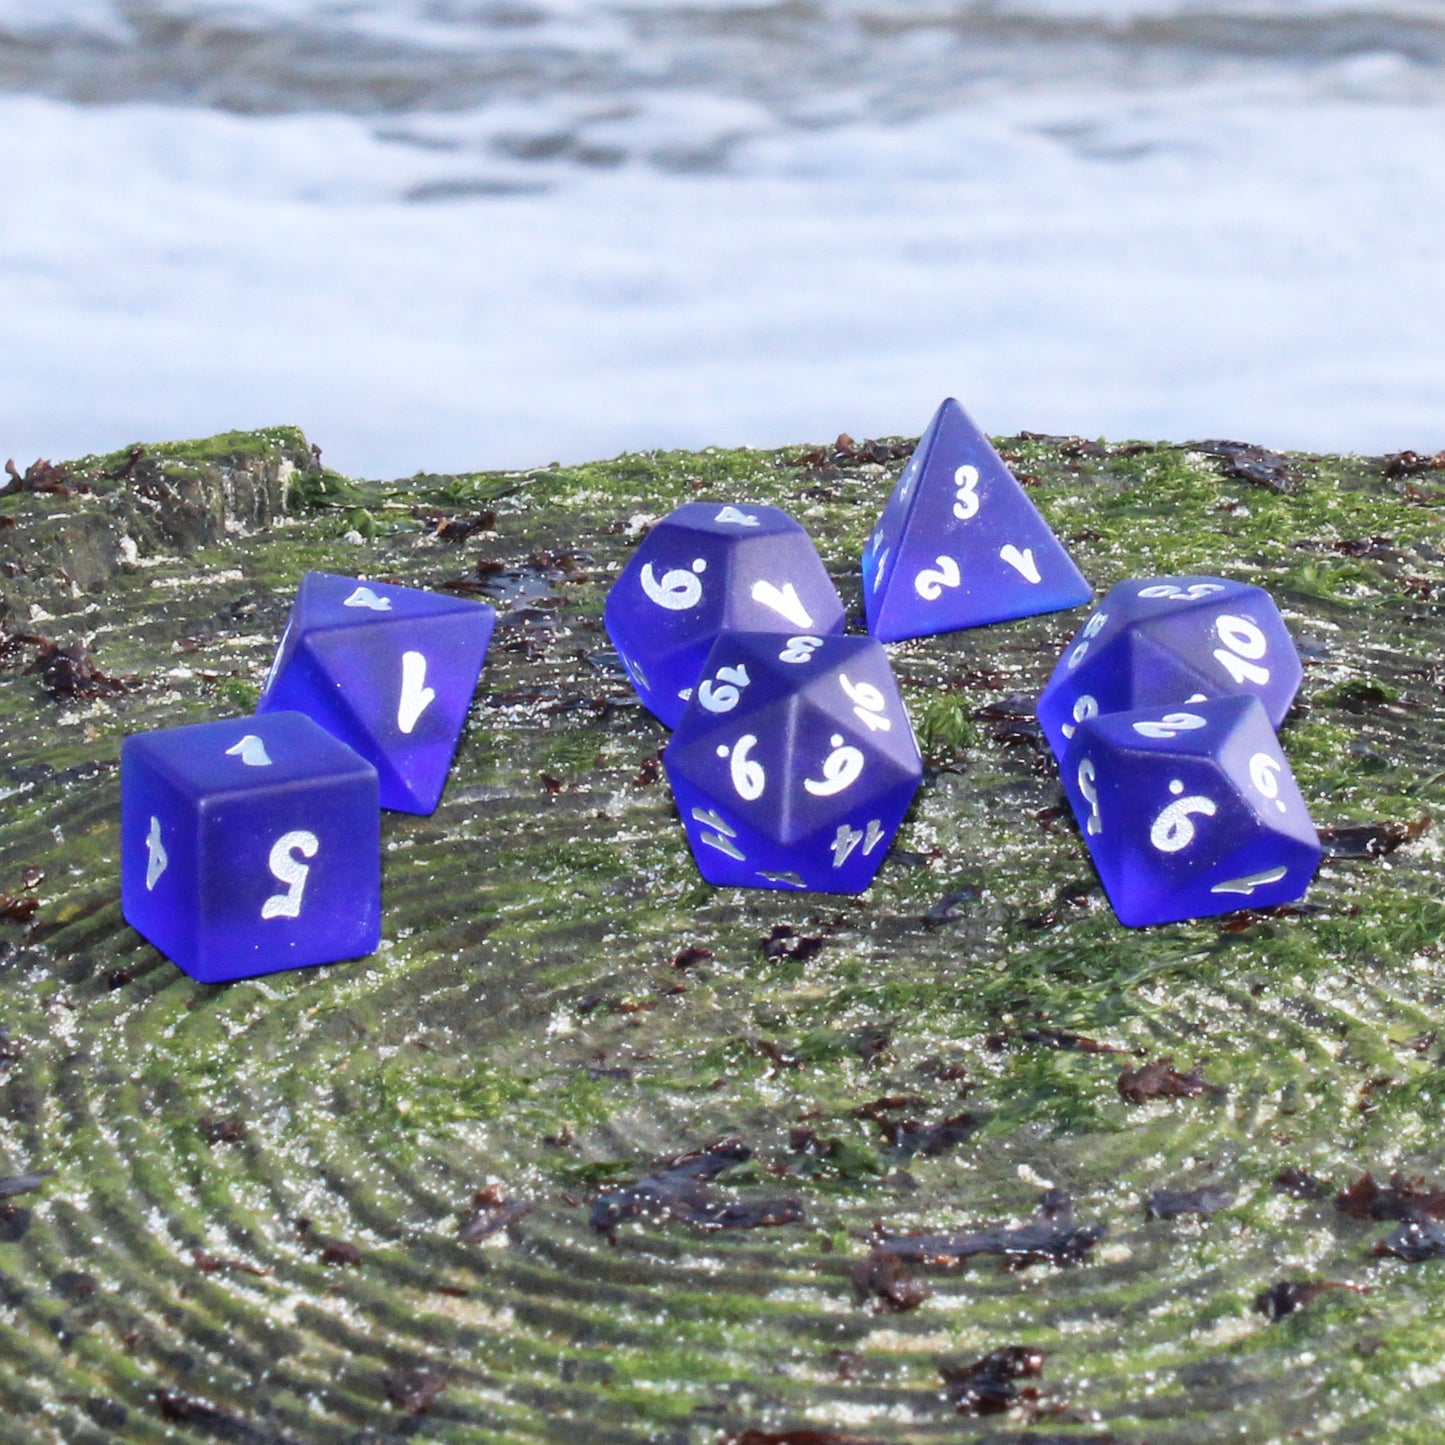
{"points": [[945, 730], [238, 694], [1355, 694], [522, 1023], [410, 1096]]}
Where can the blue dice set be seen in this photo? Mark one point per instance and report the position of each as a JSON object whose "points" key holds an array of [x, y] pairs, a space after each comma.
{"points": [[793, 761], [1162, 713], [254, 844]]}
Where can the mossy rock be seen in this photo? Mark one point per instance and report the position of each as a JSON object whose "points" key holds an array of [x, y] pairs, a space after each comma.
{"points": [[256, 1225]]}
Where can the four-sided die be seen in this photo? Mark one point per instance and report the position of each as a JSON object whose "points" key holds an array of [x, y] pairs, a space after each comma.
{"points": [[1161, 641], [1189, 810], [250, 845], [959, 544], [388, 670], [704, 568], [794, 762]]}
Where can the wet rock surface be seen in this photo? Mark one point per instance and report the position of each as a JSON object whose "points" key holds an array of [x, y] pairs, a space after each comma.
{"points": [[504, 1179]]}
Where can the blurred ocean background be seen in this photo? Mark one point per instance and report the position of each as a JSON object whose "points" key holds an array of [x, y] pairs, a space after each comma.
{"points": [[449, 234]]}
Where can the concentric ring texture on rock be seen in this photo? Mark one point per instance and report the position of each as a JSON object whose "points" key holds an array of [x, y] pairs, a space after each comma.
{"points": [[357, 1203]]}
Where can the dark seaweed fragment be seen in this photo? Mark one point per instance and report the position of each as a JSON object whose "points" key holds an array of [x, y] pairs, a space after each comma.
{"points": [[878, 1109], [330, 1249], [1068, 1040], [1370, 840], [907, 1137], [885, 1279], [1175, 1203], [1299, 1184], [415, 1391], [182, 1409], [1159, 1079], [40, 476], [830, 1158], [785, 942], [15, 1223], [1243, 919], [1414, 1241], [1362, 546], [108, 1414], [845, 452], [13, 1184], [213, 1264], [492, 1211], [781, 1056], [992, 1385], [1407, 464], [1289, 1295], [871, 1043], [70, 672], [1014, 707], [1254, 464], [452, 526], [679, 1191], [18, 908], [1407, 1197], [74, 1286], [11, 1049], [951, 904], [1051, 1237], [228, 1130], [690, 957]]}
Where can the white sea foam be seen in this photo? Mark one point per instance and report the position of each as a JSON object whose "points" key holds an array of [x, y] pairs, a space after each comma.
{"points": [[567, 268]]}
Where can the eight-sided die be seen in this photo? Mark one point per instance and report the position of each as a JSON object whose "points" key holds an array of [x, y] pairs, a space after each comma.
{"points": [[388, 670]]}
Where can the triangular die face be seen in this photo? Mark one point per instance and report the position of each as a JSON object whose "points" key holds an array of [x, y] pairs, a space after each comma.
{"points": [[396, 694], [971, 548], [881, 550], [285, 651], [307, 684], [299, 683], [740, 759], [408, 686], [857, 697], [1099, 683], [777, 583], [730, 521], [326, 600], [1159, 676]]}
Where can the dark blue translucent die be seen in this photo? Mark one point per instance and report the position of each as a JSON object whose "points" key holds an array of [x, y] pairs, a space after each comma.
{"points": [[706, 567], [1190, 810], [794, 762], [959, 543], [1157, 641], [249, 846], [388, 670]]}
